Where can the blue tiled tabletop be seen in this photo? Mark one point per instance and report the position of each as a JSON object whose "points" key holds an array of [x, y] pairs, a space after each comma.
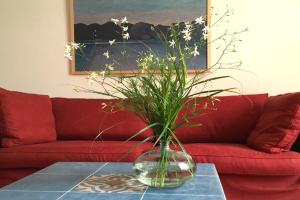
{"points": [[68, 181]]}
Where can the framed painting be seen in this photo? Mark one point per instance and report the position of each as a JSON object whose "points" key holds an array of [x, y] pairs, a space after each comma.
{"points": [[91, 25]]}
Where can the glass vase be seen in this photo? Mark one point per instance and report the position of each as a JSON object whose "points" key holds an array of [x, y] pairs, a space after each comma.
{"points": [[164, 167]]}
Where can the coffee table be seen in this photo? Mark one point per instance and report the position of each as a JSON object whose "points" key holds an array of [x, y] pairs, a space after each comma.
{"points": [[107, 181]]}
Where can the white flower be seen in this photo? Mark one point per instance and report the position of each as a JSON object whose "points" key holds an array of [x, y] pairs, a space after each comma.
{"points": [[106, 54], [68, 50], [188, 26], [71, 46], [195, 52], [115, 21], [111, 42], [75, 45], [145, 67], [149, 58], [172, 58], [205, 35], [109, 67], [205, 29], [126, 36], [124, 20], [187, 31], [102, 73], [186, 48], [187, 37], [172, 43], [92, 77], [125, 28], [123, 53], [68, 47], [199, 20], [103, 105], [68, 56]]}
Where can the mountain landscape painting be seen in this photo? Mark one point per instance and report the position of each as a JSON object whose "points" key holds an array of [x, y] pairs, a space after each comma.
{"points": [[92, 26]]}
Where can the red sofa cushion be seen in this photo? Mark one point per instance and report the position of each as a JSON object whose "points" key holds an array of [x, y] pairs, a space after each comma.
{"points": [[229, 120], [228, 158], [2, 92], [279, 125], [84, 119], [251, 187], [28, 119], [241, 159], [43, 155]]}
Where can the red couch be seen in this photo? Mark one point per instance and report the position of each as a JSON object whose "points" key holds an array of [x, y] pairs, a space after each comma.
{"points": [[245, 173]]}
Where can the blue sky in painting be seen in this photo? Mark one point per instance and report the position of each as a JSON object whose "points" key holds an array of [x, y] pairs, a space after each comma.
{"points": [[151, 11]]}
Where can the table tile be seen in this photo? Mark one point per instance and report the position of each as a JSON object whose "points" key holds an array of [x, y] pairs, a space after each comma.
{"points": [[116, 168], [205, 185], [72, 168], [53, 181], [46, 182], [97, 196], [206, 169], [180, 197], [9, 195]]}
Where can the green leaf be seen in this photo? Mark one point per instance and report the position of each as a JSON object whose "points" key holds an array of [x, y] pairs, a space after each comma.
{"points": [[141, 131], [136, 146]]}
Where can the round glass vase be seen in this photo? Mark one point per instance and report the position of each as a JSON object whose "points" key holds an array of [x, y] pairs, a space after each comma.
{"points": [[164, 167]]}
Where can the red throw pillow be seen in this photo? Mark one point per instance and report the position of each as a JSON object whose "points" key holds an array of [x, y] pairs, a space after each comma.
{"points": [[229, 120], [85, 119], [28, 119], [279, 125]]}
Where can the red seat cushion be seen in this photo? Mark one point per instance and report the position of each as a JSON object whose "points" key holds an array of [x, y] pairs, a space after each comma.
{"points": [[42, 155], [229, 120], [28, 119], [84, 119], [241, 159], [279, 125]]}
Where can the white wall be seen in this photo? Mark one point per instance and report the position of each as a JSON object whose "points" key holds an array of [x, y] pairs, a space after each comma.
{"points": [[33, 33], [271, 48]]}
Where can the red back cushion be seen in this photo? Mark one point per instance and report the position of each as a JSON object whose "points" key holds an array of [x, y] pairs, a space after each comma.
{"points": [[229, 120], [2, 92], [28, 119], [85, 119], [279, 125]]}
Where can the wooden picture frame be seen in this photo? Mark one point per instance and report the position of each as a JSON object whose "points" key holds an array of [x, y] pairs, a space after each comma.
{"points": [[81, 31]]}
